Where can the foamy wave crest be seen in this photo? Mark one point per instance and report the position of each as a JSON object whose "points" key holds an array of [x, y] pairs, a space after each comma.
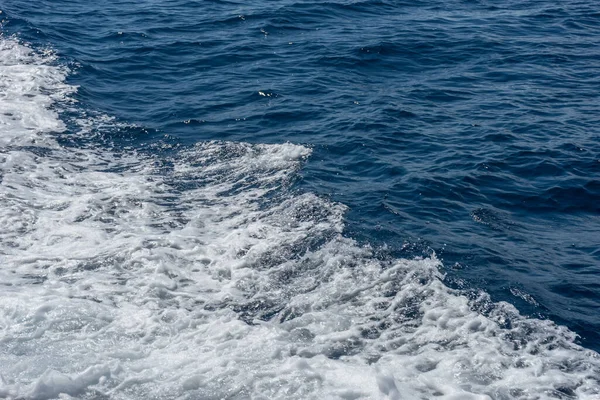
{"points": [[206, 275]]}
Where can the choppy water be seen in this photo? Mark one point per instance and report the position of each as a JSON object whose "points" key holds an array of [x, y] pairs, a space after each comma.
{"points": [[376, 199]]}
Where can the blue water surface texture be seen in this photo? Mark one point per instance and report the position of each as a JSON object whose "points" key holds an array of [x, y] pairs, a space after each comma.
{"points": [[207, 199]]}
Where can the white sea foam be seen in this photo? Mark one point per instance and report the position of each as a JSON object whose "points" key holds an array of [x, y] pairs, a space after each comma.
{"points": [[205, 276], [28, 89]]}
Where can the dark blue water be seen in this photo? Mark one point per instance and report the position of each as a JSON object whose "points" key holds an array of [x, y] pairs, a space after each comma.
{"points": [[465, 128]]}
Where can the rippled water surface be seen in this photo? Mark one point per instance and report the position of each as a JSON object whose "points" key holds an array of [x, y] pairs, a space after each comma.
{"points": [[296, 199]]}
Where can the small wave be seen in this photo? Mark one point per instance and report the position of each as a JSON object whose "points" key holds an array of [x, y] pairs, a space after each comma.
{"points": [[204, 274]]}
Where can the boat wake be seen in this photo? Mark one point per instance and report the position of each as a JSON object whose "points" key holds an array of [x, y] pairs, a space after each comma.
{"points": [[203, 273]]}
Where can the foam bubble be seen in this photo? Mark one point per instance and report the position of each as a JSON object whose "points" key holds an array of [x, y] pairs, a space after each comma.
{"points": [[30, 84], [205, 275]]}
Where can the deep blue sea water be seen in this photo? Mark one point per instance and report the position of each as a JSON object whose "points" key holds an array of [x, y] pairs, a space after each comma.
{"points": [[460, 131]]}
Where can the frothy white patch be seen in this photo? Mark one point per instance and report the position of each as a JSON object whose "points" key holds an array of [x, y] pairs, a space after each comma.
{"points": [[29, 87], [205, 276]]}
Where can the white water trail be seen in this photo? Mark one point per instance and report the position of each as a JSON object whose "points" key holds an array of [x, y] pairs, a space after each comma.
{"points": [[203, 276]]}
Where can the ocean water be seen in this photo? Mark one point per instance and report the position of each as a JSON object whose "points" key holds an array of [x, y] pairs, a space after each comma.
{"points": [[299, 200]]}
